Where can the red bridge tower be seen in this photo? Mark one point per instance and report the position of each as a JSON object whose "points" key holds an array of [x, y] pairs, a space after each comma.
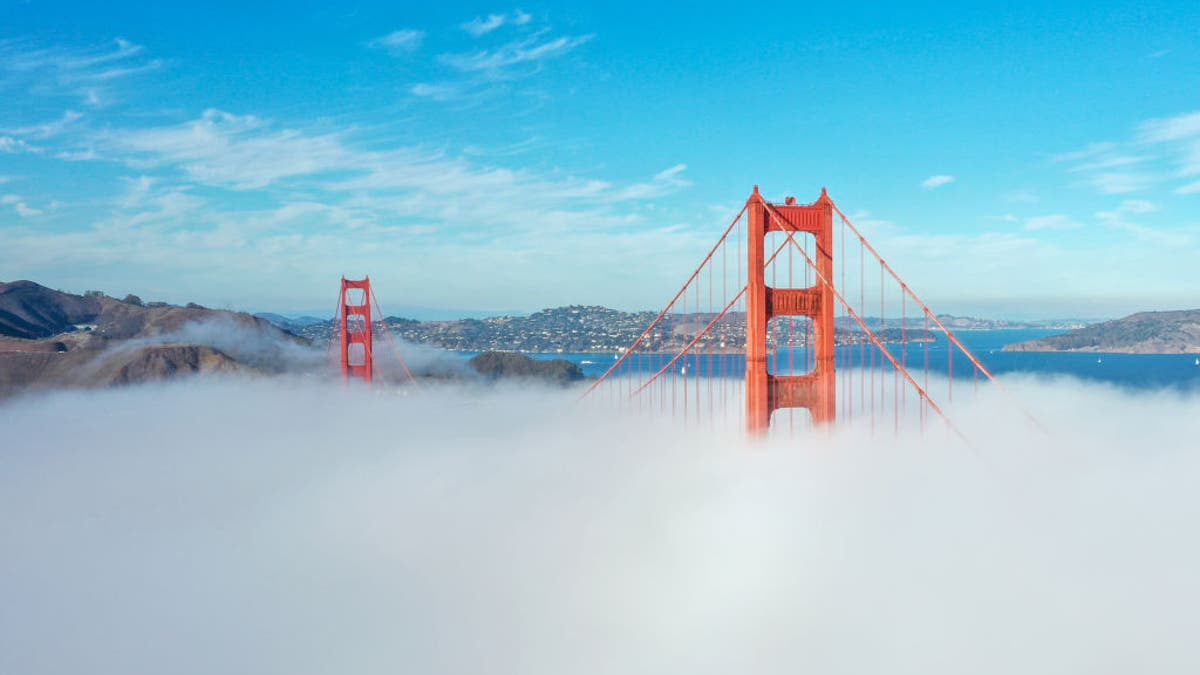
{"points": [[354, 311], [816, 390]]}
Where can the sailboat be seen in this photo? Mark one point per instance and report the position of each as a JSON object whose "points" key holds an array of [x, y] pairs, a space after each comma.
{"points": [[1098, 360], [1198, 362]]}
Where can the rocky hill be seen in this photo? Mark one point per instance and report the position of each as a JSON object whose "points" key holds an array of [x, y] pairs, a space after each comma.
{"points": [[52, 339], [497, 365], [1176, 332]]}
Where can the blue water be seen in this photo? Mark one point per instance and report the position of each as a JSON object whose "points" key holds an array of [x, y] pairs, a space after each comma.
{"points": [[1138, 371]]}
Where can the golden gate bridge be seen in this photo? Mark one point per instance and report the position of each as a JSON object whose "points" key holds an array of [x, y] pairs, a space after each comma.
{"points": [[792, 313]]}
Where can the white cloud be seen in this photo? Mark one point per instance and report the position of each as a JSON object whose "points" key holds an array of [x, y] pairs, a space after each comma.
{"points": [[664, 182], [25, 211], [1117, 219], [239, 151], [529, 50], [47, 129], [1089, 151], [934, 182], [482, 25], [22, 209], [334, 203], [1181, 134], [1189, 189], [1022, 197], [11, 145], [406, 40], [1114, 183], [1055, 221], [1164, 148], [1137, 206], [1171, 128], [1110, 161], [440, 91], [87, 73]]}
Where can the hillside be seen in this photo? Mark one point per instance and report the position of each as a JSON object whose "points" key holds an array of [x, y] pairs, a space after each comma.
{"points": [[1176, 332], [593, 329], [53, 339], [31, 311]]}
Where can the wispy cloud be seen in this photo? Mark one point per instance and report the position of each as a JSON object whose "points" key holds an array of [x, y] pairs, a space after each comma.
{"points": [[474, 76], [1022, 197], [1107, 167], [1175, 128], [19, 205], [934, 182], [1054, 221], [87, 73], [1189, 189], [11, 145], [1120, 182], [440, 91], [1159, 151], [530, 50], [482, 25], [664, 182], [46, 129], [404, 40], [238, 151], [333, 201], [244, 152], [1119, 219], [1181, 136]]}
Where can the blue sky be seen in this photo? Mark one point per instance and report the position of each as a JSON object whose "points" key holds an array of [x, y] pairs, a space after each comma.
{"points": [[1009, 160]]}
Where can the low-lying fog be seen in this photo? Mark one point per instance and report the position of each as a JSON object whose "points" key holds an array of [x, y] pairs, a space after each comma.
{"points": [[282, 526]]}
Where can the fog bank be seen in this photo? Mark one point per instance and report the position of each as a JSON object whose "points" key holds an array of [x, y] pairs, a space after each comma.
{"points": [[280, 526]]}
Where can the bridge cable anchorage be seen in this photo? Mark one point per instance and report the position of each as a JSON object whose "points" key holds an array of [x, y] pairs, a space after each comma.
{"points": [[658, 319], [869, 333]]}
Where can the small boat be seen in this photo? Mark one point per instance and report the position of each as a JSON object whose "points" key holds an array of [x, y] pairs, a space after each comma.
{"points": [[1198, 362], [1098, 360]]}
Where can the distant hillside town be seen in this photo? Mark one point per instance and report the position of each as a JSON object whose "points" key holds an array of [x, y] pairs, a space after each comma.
{"points": [[594, 329]]}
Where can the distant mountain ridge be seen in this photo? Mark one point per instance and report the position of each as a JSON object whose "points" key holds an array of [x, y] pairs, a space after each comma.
{"points": [[290, 323], [1173, 332]]}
